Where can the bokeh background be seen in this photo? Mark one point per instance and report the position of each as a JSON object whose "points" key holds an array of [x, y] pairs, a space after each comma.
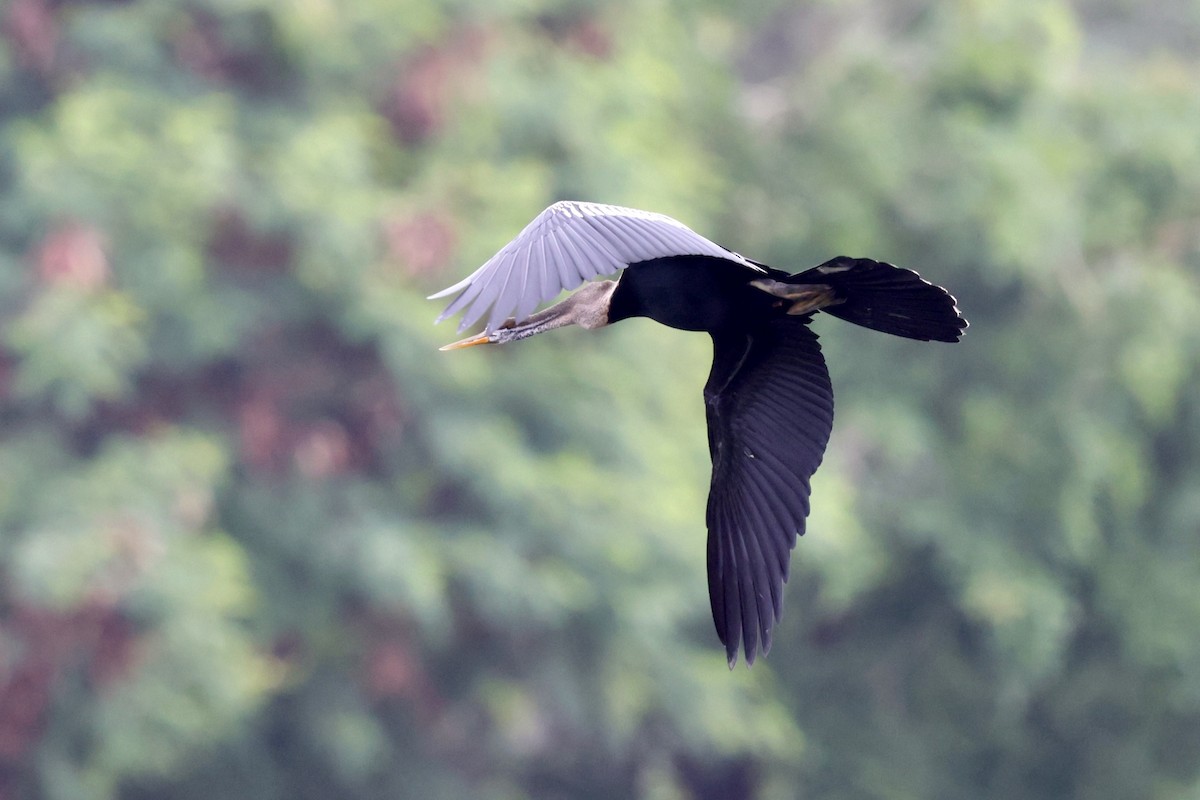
{"points": [[259, 539]]}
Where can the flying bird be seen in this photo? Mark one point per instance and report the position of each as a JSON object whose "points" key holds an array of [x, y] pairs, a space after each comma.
{"points": [[768, 397]]}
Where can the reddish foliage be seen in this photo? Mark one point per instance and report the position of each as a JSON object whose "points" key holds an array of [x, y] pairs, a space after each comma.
{"points": [[113, 650], [392, 668], [153, 407], [430, 81], [316, 404], [32, 30], [261, 431], [321, 449], [289, 647], [40, 645], [73, 254], [198, 47], [374, 407], [579, 31], [236, 245], [236, 48], [7, 367], [422, 243], [592, 38]]}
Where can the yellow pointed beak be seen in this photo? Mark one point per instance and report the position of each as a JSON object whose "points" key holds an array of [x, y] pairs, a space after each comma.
{"points": [[470, 341]]}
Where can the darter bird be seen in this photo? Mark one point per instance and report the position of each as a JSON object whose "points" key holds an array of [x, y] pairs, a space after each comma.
{"points": [[768, 397]]}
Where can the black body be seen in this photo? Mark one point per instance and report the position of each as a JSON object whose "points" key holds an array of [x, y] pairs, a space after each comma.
{"points": [[692, 293], [769, 404]]}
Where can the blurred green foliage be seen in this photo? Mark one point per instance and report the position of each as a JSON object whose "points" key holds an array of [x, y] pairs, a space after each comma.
{"points": [[259, 539]]}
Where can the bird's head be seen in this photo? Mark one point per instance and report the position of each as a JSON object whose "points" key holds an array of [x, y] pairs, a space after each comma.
{"points": [[587, 308]]}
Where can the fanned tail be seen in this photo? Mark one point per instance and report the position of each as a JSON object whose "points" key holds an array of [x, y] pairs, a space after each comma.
{"points": [[887, 298]]}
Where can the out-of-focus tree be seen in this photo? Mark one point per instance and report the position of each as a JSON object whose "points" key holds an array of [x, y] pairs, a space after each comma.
{"points": [[258, 538]]}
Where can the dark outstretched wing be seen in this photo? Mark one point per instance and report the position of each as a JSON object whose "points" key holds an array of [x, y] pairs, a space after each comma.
{"points": [[770, 410]]}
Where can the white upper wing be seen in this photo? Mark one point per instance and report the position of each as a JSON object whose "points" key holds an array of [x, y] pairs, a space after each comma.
{"points": [[569, 243]]}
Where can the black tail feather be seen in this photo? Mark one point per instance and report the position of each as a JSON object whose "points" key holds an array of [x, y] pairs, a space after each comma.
{"points": [[887, 298]]}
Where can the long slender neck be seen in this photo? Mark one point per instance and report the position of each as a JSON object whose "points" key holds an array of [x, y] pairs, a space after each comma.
{"points": [[587, 308]]}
